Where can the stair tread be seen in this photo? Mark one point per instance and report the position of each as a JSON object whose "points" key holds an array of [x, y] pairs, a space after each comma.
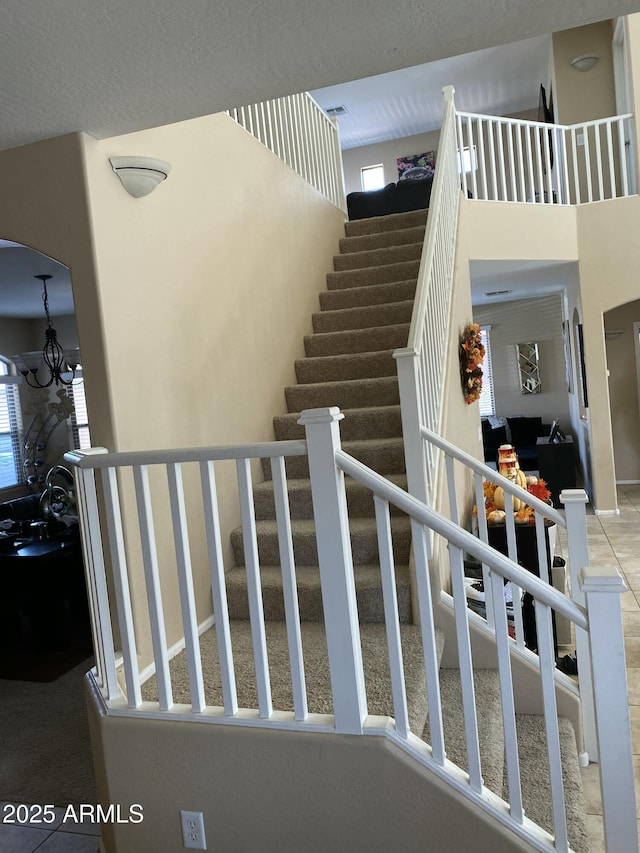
{"points": [[367, 294], [396, 237], [381, 274], [306, 526], [351, 383], [357, 340], [301, 483], [351, 365], [374, 657], [354, 310], [378, 256], [391, 222]]}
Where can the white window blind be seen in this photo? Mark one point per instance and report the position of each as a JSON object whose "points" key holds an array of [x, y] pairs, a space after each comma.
{"points": [[487, 402], [81, 439], [10, 429]]}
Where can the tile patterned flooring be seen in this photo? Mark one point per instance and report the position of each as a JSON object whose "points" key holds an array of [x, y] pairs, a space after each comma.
{"points": [[613, 540], [59, 836]]}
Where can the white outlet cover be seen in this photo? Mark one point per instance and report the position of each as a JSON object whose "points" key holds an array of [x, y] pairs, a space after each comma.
{"points": [[193, 836]]}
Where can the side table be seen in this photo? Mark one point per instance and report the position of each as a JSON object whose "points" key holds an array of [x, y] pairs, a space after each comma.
{"points": [[556, 466]]}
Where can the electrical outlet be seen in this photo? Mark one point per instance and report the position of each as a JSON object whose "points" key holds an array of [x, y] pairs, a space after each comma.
{"points": [[193, 830]]}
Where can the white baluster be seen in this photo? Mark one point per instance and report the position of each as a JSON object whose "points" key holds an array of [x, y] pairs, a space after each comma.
{"points": [[574, 501]]}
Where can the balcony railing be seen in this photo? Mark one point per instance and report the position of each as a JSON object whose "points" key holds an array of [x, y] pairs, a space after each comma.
{"points": [[505, 159]]}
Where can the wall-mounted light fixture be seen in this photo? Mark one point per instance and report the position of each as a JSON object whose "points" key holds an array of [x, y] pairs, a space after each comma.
{"points": [[584, 62], [140, 175]]}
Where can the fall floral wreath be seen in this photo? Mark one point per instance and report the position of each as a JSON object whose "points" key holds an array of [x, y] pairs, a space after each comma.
{"points": [[471, 358]]}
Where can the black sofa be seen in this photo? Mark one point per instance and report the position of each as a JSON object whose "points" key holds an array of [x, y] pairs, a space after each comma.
{"points": [[394, 198], [520, 432]]}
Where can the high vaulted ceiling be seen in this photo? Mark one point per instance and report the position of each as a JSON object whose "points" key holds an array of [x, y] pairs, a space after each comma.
{"points": [[117, 66]]}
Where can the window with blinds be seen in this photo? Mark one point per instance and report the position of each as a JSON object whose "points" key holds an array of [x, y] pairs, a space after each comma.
{"points": [[10, 429], [80, 437], [487, 401]]}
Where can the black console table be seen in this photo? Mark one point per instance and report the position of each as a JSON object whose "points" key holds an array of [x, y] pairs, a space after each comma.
{"points": [[556, 466]]}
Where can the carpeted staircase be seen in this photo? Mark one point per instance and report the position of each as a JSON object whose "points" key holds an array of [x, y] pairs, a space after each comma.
{"points": [[365, 315]]}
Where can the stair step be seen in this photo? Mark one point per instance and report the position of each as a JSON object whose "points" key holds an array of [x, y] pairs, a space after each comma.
{"points": [[400, 271], [381, 239], [363, 317], [364, 542], [375, 422], [379, 391], [375, 662], [490, 730], [357, 340], [374, 294], [377, 257], [534, 770], [368, 593], [359, 498], [393, 222], [384, 455], [359, 365]]}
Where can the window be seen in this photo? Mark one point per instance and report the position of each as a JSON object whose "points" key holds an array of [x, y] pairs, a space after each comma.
{"points": [[80, 439], [372, 177], [469, 161], [487, 402], [10, 427]]}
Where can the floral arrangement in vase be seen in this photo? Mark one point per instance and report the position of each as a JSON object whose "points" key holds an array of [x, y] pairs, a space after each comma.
{"points": [[471, 357]]}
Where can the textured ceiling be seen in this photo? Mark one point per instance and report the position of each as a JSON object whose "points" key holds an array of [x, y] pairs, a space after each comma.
{"points": [[495, 81], [119, 66]]}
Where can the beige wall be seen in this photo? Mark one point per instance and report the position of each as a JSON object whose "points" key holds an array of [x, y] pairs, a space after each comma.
{"points": [[206, 288], [517, 322], [623, 389], [278, 792], [580, 96], [354, 159]]}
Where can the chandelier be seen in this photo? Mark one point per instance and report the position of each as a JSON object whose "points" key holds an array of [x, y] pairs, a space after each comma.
{"points": [[56, 359]]}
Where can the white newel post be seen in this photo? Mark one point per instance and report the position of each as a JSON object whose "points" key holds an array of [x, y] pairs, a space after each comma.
{"points": [[575, 503], [94, 569], [336, 569], [602, 587]]}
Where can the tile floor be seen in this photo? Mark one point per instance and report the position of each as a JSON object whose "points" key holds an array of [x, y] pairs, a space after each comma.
{"points": [[62, 835], [615, 540]]}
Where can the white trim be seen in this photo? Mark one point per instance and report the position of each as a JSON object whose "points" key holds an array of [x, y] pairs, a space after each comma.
{"points": [[174, 650], [606, 511], [627, 482]]}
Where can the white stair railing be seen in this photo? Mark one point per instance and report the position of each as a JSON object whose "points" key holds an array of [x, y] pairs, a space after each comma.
{"points": [[421, 366], [512, 160], [156, 479], [298, 131]]}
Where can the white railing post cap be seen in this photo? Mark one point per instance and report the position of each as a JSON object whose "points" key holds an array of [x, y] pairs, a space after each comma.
{"points": [[574, 496], [601, 579], [405, 352], [320, 416]]}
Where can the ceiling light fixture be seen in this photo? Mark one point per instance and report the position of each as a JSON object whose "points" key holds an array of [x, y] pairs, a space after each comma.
{"points": [[584, 62], [140, 175], [57, 359]]}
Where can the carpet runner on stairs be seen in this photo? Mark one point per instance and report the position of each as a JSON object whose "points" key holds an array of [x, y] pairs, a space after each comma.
{"points": [[365, 315]]}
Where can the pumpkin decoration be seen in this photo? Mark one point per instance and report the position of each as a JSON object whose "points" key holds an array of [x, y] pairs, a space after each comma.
{"points": [[498, 499]]}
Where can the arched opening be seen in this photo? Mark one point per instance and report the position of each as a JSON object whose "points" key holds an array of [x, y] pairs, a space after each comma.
{"points": [[622, 329]]}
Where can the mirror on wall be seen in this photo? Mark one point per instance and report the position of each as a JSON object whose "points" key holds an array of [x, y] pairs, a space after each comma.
{"points": [[529, 367]]}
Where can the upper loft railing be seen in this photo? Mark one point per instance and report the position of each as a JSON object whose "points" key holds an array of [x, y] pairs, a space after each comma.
{"points": [[506, 159], [422, 365], [176, 497], [300, 133]]}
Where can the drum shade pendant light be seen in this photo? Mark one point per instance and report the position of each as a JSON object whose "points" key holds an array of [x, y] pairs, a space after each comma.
{"points": [[56, 359]]}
